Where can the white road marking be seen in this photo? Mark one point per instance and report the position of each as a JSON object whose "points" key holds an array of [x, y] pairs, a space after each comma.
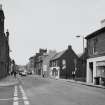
{"points": [[6, 99], [15, 92], [15, 96], [16, 103], [26, 103], [16, 99], [25, 99]]}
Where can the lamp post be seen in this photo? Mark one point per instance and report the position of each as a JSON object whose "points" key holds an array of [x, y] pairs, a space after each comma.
{"points": [[78, 36]]}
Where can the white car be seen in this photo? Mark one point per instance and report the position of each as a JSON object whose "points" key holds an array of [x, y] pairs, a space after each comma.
{"points": [[23, 74]]}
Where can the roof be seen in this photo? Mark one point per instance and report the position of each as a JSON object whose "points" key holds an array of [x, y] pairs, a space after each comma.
{"points": [[32, 57], [1, 12], [79, 55], [95, 33], [58, 55]]}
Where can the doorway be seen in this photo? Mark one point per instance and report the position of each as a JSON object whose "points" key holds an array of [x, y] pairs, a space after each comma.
{"points": [[91, 72]]}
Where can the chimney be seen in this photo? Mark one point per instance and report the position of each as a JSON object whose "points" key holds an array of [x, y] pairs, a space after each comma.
{"points": [[102, 23], [69, 47], [0, 6]]}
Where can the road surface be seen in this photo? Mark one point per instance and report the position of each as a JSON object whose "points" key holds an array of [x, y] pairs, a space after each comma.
{"points": [[38, 91]]}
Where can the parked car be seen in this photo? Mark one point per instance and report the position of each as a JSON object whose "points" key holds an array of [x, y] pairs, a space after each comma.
{"points": [[23, 73], [29, 73]]}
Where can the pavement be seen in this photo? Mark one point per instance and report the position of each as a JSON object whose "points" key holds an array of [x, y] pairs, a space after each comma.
{"points": [[8, 81], [87, 84], [78, 82]]}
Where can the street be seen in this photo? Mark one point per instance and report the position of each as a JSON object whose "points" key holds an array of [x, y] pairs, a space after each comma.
{"points": [[33, 90], [6, 95]]}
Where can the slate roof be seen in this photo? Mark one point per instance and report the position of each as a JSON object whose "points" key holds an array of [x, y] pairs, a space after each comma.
{"points": [[58, 55], [95, 33]]}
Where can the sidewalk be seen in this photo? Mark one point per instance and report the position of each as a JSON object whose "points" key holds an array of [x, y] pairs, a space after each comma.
{"points": [[80, 82], [72, 81], [87, 84], [8, 81]]}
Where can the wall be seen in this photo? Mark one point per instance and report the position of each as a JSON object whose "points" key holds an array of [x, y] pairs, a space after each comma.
{"points": [[4, 56], [96, 45], [69, 56]]}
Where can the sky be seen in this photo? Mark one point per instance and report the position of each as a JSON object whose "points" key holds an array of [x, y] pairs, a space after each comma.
{"points": [[51, 24]]}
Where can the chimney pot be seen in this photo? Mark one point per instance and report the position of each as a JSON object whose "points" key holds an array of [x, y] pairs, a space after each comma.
{"points": [[69, 46], [102, 23]]}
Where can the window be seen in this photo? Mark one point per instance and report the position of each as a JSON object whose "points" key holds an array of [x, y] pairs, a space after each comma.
{"points": [[63, 64], [55, 63], [94, 45]]}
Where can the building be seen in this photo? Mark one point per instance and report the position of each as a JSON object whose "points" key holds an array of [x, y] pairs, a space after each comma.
{"points": [[81, 65], [63, 64], [96, 56], [30, 66], [46, 62], [38, 61], [42, 60], [4, 47]]}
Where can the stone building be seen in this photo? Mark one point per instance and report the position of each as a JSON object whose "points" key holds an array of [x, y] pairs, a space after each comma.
{"points": [[46, 62], [63, 64], [30, 65], [4, 47], [38, 61]]}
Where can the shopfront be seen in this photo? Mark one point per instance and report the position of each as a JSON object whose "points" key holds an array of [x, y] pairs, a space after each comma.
{"points": [[96, 70]]}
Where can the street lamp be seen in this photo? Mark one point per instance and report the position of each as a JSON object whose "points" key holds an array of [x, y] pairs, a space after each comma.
{"points": [[78, 36]]}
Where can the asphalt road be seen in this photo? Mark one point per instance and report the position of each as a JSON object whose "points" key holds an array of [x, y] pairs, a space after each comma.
{"points": [[38, 91], [6, 95], [57, 92]]}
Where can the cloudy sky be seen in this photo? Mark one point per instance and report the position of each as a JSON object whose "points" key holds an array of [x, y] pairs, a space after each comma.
{"points": [[51, 24]]}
